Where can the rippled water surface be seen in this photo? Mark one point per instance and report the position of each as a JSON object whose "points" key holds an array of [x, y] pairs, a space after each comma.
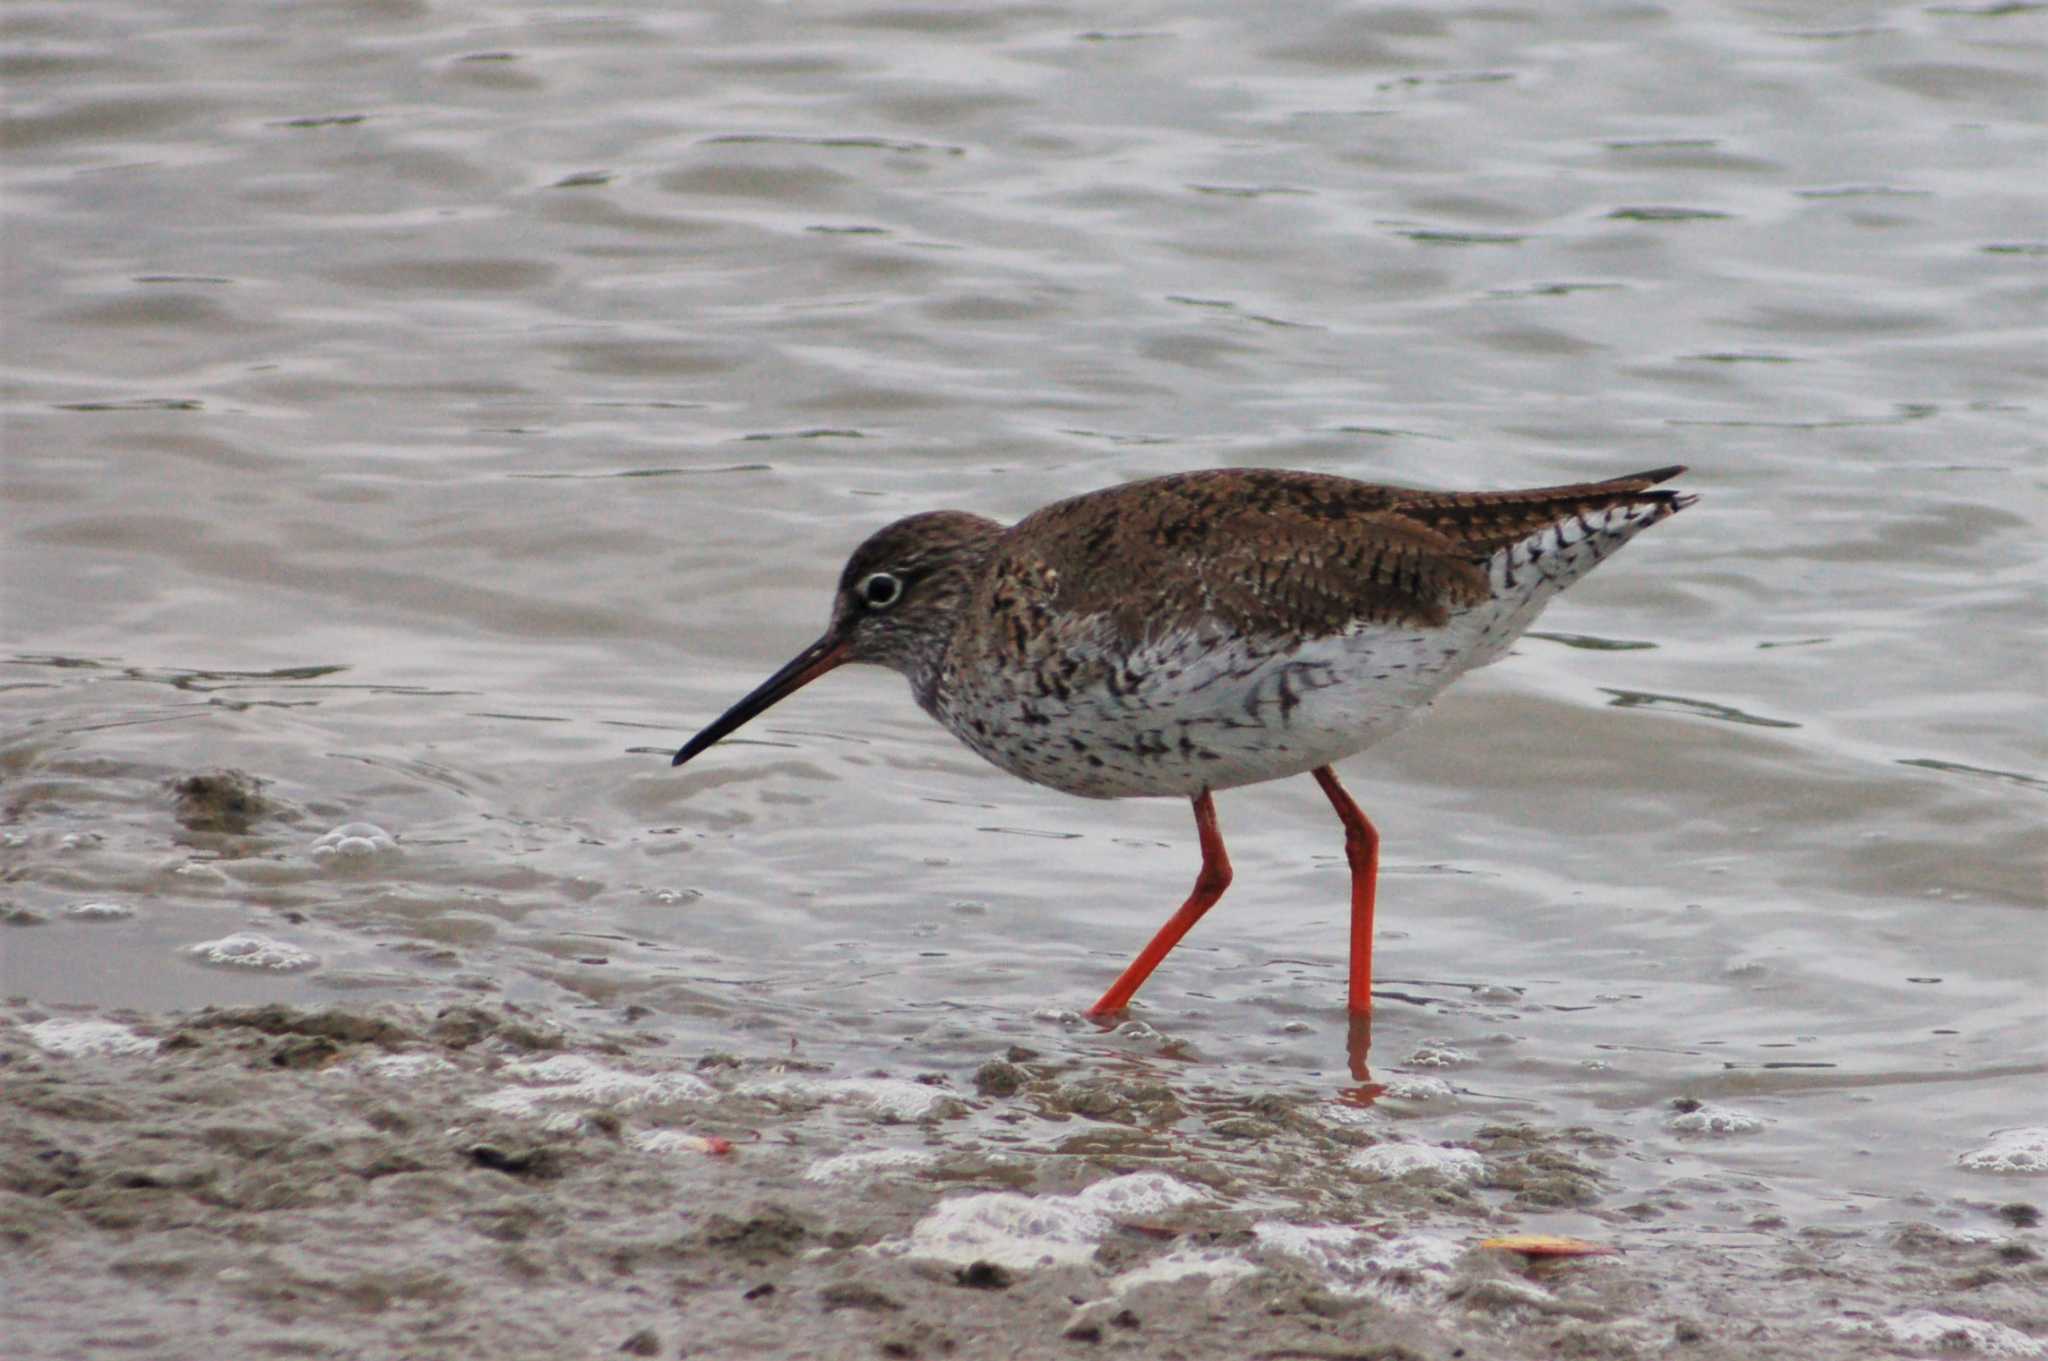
{"points": [[436, 413]]}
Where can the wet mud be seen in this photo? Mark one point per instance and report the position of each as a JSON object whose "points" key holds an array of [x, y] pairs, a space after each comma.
{"points": [[387, 1180]]}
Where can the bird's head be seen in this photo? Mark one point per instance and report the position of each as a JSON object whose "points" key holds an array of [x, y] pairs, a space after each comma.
{"points": [[899, 600]]}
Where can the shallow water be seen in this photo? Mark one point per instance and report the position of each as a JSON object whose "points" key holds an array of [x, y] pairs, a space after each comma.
{"points": [[439, 414]]}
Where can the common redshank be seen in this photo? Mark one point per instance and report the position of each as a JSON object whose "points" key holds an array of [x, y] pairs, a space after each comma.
{"points": [[1206, 630]]}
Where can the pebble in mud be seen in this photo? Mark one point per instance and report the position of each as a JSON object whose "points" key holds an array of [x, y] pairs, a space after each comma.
{"points": [[460, 1027], [999, 1078], [228, 801], [1131, 1101], [856, 1295], [343, 1024], [983, 1276], [770, 1232]]}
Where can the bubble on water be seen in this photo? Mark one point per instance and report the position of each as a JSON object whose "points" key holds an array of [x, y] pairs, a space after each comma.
{"points": [[246, 950], [2016, 1152], [99, 912], [87, 1038], [1714, 1120], [78, 841], [354, 843], [1440, 1056], [672, 897], [1497, 994], [1423, 1162], [199, 872]]}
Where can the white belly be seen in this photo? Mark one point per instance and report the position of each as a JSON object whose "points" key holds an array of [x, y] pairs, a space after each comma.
{"points": [[1186, 712], [1194, 710]]}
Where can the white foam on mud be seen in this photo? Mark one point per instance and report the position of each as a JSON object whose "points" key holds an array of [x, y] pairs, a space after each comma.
{"points": [[99, 912], [1413, 1267], [1344, 1115], [87, 1038], [867, 1162], [1139, 1193], [574, 1080], [1391, 1162], [1718, 1121], [247, 950], [2012, 1153], [1951, 1334], [396, 1067], [1022, 1232], [674, 1141], [1418, 1089], [354, 843], [1220, 1265], [886, 1097]]}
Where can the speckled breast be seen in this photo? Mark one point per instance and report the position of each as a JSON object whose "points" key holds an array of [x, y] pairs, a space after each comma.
{"points": [[1190, 710]]}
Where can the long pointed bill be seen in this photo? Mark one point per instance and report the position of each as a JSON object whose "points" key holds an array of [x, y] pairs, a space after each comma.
{"points": [[813, 662]]}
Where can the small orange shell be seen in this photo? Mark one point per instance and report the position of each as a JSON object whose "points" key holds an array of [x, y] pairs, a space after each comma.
{"points": [[1550, 1245]]}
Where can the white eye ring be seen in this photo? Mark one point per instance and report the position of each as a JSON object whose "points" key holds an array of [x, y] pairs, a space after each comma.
{"points": [[880, 590]]}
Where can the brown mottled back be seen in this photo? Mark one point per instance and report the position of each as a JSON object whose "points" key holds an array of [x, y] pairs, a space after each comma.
{"points": [[1250, 549]]}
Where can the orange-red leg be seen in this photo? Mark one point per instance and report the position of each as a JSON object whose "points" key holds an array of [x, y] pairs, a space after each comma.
{"points": [[1362, 849], [1209, 886]]}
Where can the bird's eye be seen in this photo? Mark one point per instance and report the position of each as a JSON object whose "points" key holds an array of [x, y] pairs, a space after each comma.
{"points": [[880, 590]]}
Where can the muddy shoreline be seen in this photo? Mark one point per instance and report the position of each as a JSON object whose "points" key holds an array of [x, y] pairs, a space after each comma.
{"points": [[401, 1181]]}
